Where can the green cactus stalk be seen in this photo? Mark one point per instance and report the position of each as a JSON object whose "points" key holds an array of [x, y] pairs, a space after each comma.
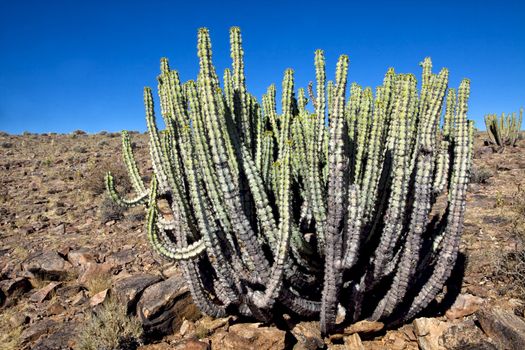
{"points": [[312, 212], [505, 130]]}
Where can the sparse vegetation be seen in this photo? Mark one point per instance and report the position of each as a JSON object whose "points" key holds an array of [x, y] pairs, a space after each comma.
{"points": [[9, 332], [110, 210], [480, 175], [92, 180], [110, 328]]}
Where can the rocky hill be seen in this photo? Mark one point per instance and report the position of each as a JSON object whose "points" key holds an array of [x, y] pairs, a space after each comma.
{"points": [[77, 272]]}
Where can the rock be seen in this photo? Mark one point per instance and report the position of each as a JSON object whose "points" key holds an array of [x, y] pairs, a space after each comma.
{"points": [[93, 270], [190, 344], [506, 329], [212, 324], [308, 335], [13, 288], [98, 298], [47, 266], [78, 299], [428, 332], [465, 304], [37, 329], [129, 289], [63, 338], [186, 328], [164, 305], [122, 257], [354, 342], [249, 336], [58, 230], [42, 294], [55, 308], [80, 257], [364, 326], [465, 335]]}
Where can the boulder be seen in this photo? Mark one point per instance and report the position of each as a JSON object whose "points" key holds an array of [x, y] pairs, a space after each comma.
{"points": [[129, 289], [47, 266], [465, 335], [164, 305], [504, 327], [249, 336], [465, 304], [428, 332], [308, 335]]}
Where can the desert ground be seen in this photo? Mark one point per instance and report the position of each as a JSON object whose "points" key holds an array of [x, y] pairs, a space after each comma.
{"points": [[76, 271]]}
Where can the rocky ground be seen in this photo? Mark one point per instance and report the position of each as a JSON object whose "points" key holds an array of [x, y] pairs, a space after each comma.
{"points": [[73, 266]]}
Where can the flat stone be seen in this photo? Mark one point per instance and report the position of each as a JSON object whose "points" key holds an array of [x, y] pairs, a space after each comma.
{"points": [[93, 270], [465, 304], [364, 326], [308, 335], [129, 289], [42, 294], [428, 332], [190, 344], [14, 288], [48, 266], [164, 305], [80, 257], [63, 338], [354, 342], [465, 335], [98, 298], [506, 329], [122, 257], [38, 329], [249, 336]]}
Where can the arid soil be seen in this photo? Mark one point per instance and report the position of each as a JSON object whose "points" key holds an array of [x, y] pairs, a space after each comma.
{"points": [[66, 254]]}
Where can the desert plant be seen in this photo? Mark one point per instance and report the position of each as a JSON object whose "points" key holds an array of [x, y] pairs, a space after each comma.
{"points": [[110, 328], [505, 130], [311, 212]]}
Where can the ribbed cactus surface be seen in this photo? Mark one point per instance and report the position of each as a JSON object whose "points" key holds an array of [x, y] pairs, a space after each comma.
{"points": [[505, 130], [323, 204]]}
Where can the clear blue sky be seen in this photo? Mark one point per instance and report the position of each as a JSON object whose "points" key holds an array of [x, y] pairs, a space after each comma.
{"points": [[67, 65]]}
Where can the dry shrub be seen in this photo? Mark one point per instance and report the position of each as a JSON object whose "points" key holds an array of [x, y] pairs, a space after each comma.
{"points": [[511, 271], [93, 178], [98, 283], [110, 328], [9, 335], [109, 210], [480, 175]]}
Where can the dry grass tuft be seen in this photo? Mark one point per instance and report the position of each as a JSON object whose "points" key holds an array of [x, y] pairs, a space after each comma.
{"points": [[98, 284], [110, 328], [9, 335], [93, 179]]}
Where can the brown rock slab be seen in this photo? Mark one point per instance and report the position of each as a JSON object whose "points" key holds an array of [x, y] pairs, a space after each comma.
{"points": [[505, 328], [308, 335], [93, 270], [190, 344], [98, 298], [42, 294], [63, 338], [249, 336], [80, 257], [164, 305], [465, 335], [364, 326], [47, 266], [38, 329], [465, 304], [428, 332], [354, 342], [12, 288], [129, 289]]}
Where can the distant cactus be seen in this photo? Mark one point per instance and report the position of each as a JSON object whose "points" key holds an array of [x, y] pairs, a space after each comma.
{"points": [[307, 212], [505, 130]]}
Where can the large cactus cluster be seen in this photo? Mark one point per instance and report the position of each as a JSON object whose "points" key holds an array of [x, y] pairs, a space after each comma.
{"points": [[319, 209], [505, 130]]}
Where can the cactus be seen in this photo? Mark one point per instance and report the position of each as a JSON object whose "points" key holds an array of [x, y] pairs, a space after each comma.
{"points": [[309, 212], [505, 130]]}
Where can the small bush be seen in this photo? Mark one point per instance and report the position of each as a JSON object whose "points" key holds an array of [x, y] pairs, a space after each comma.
{"points": [[110, 328], [9, 335], [511, 271], [79, 132], [93, 179], [109, 210], [6, 144], [480, 175], [79, 149]]}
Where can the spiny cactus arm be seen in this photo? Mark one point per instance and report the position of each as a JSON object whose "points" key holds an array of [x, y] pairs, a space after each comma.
{"points": [[212, 118], [261, 122], [267, 158], [240, 100], [228, 91], [141, 198], [422, 201], [298, 304], [287, 108], [456, 206], [131, 164], [448, 125], [400, 165], [330, 96], [274, 284], [302, 101], [270, 109], [159, 240], [336, 202], [353, 231], [352, 111], [442, 168], [363, 133], [320, 100]]}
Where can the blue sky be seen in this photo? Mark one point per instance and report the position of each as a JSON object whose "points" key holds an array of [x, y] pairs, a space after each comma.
{"points": [[67, 65]]}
